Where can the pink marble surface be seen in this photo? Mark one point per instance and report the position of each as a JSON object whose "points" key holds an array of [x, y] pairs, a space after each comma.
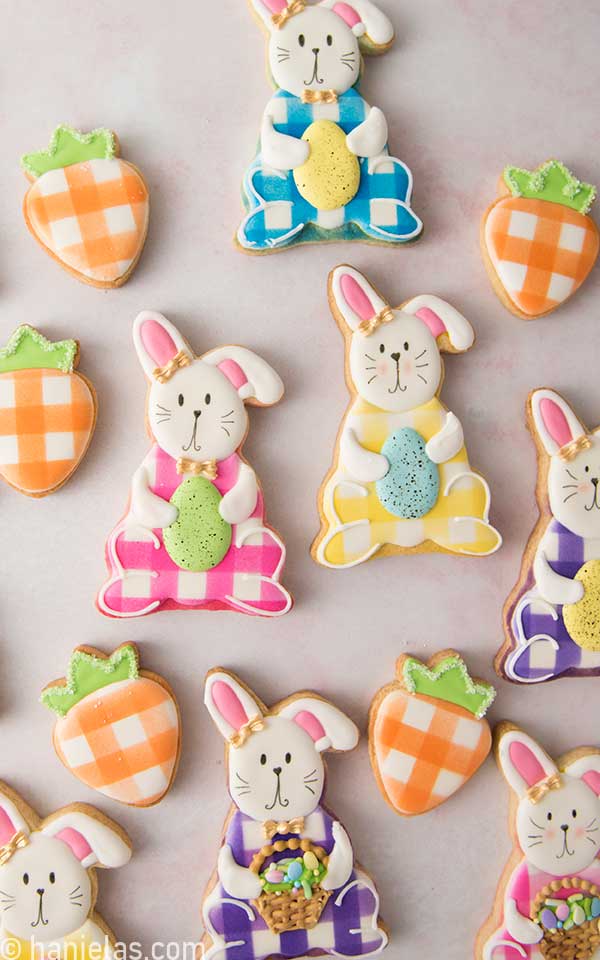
{"points": [[469, 86]]}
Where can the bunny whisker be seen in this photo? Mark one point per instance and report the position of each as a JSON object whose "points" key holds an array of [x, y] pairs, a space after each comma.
{"points": [[74, 890], [534, 836], [590, 824], [421, 377], [369, 357], [536, 843], [4, 909], [420, 366], [572, 476], [349, 64], [593, 830], [569, 486], [311, 774], [351, 53], [310, 789], [374, 377], [283, 49], [241, 779], [225, 430], [159, 406], [370, 368], [225, 415], [8, 896], [422, 354], [536, 824], [594, 842], [569, 497], [164, 420]]}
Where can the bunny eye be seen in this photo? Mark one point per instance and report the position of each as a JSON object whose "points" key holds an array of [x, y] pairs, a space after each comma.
{"points": [[548, 816], [329, 40], [573, 813], [25, 878], [288, 758], [587, 469], [263, 758], [180, 399], [207, 399], [52, 877], [301, 40], [381, 348], [406, 345]]}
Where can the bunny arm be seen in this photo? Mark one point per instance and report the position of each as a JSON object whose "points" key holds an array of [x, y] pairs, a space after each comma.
{"points": [[369, 138], [280, 150], [239, 882], [362, 464], [446, 443], [552, 586], [341, 859], [521, 928], [238, 503], [146, 508]]}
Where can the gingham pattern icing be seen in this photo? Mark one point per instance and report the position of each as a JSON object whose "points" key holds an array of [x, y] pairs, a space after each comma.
{"points": [[345, 502], [93, 216], [348, 924], [46, 419], [523, 886], [554, 652], [278, 215], [541, 251], [122, 740], [143, 576]]}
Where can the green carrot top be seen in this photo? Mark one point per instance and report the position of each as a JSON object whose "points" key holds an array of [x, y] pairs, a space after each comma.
{"points": [[551, 181], [88, 673], [27, 349], [68, 146], [448, 680]]}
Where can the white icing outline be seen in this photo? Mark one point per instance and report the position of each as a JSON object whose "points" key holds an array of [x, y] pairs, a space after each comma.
{"points": [[121, 574]]}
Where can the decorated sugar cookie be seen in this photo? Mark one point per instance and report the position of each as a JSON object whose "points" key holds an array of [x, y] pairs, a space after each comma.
{"points": [[552, 617], [538, 241], [286, 880], [118, 727], [427, 732], [48, 882], [401, 479], [194, 535], [548, 902], [323, 169], [86, 207], [47, 412]]}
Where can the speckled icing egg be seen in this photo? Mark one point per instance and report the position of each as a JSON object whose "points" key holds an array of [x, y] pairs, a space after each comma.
{"points": [[582, 619], [330, 178], [199, 538], [411, 486]]}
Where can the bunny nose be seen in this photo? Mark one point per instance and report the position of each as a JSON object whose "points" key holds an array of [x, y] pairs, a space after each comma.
{"points": [[315, 50], [277, 770], [396, 357], [197, 413], [564, 826], [595, 481], [40, 891]]}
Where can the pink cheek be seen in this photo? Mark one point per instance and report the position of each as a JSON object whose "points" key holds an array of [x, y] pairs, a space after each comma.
{"points": [[579, 833], [382, 368], [407, 367], [549, 834], [585, 488]]}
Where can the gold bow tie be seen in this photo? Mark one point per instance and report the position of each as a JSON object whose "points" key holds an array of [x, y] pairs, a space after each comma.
{"points": [[367, 327], [17, 842], [319, 96], [283, 827], [162, 374], [570, 450], [539, 790], [252, 726], [280, 19], [207, 468]]}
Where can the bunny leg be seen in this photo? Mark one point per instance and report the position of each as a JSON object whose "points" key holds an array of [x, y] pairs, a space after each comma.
{"points": [[353, 912], [381, 208], [132, 588], [502, 947], [277, 214], [236, 931], [544, 649]]}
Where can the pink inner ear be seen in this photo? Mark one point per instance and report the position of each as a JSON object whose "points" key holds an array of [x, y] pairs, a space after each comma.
{"points": [[233, 372], [555, 422], [526, 763], [347, 13], [356, 298], [228, 704], [592, 778], [431, 320], [7, 827], [309, 723], [157, 342], [275, 6], [76, 841]]}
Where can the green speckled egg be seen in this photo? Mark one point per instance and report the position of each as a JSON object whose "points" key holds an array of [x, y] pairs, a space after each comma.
{"points": [[199, 538], [411, 486]]}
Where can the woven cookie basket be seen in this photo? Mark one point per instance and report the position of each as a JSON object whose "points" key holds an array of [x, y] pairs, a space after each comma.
{"points": [[290, 910], [578, 943]]}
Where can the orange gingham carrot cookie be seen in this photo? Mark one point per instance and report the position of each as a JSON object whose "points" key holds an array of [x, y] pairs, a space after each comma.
{"points": [[538, 242], [47, 412], [119, 728], [87, 208], [427, 735]]}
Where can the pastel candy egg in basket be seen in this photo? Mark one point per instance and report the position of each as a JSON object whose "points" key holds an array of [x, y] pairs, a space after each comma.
{"points": [[292, 897], [199, 539], [411, 486], [582, 619], [569, 913]]}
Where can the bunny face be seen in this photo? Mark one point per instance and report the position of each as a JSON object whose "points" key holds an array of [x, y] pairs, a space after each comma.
{"points": [[197, 414], [315, 50], [45, 891], [558, 834]]}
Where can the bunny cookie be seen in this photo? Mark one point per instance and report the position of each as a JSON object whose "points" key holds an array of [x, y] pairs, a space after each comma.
{"points": [[552, 617], [401, 480], [323, 169], [48, 883], [548, 903], [194, 535], [286, 882]]}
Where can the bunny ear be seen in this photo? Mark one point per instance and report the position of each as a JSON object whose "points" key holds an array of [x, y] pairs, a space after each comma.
{"points": [[364, 19], [522, 761], [11, 820], [251, 376], [156, 340], [555, 423], [355, 298], [93, 841], [442, 318], [325, 724], [228, 702], [586, 769]]}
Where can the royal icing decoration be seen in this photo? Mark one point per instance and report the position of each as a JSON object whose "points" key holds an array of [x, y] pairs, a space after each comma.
{"points": [[286, 881], [427, 732], [552, 617], [401, 479], [86, 207], [538, 241], [118, 727], [47, 412], [48, 881], [548, 902], [195, 536], [323, 169]]}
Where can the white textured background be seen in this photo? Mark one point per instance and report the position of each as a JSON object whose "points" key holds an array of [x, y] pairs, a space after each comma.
{"points": [[470, 86]]}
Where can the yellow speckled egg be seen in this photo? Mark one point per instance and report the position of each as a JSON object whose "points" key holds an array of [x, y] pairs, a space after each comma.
{"points": [[330, 178], [582, 619]]}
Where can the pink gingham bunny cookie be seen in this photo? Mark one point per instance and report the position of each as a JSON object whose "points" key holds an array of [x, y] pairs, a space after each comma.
{"points": [[194, 535]]}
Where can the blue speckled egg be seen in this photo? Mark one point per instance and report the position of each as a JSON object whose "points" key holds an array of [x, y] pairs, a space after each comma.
{"points": [[411, 486]]}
